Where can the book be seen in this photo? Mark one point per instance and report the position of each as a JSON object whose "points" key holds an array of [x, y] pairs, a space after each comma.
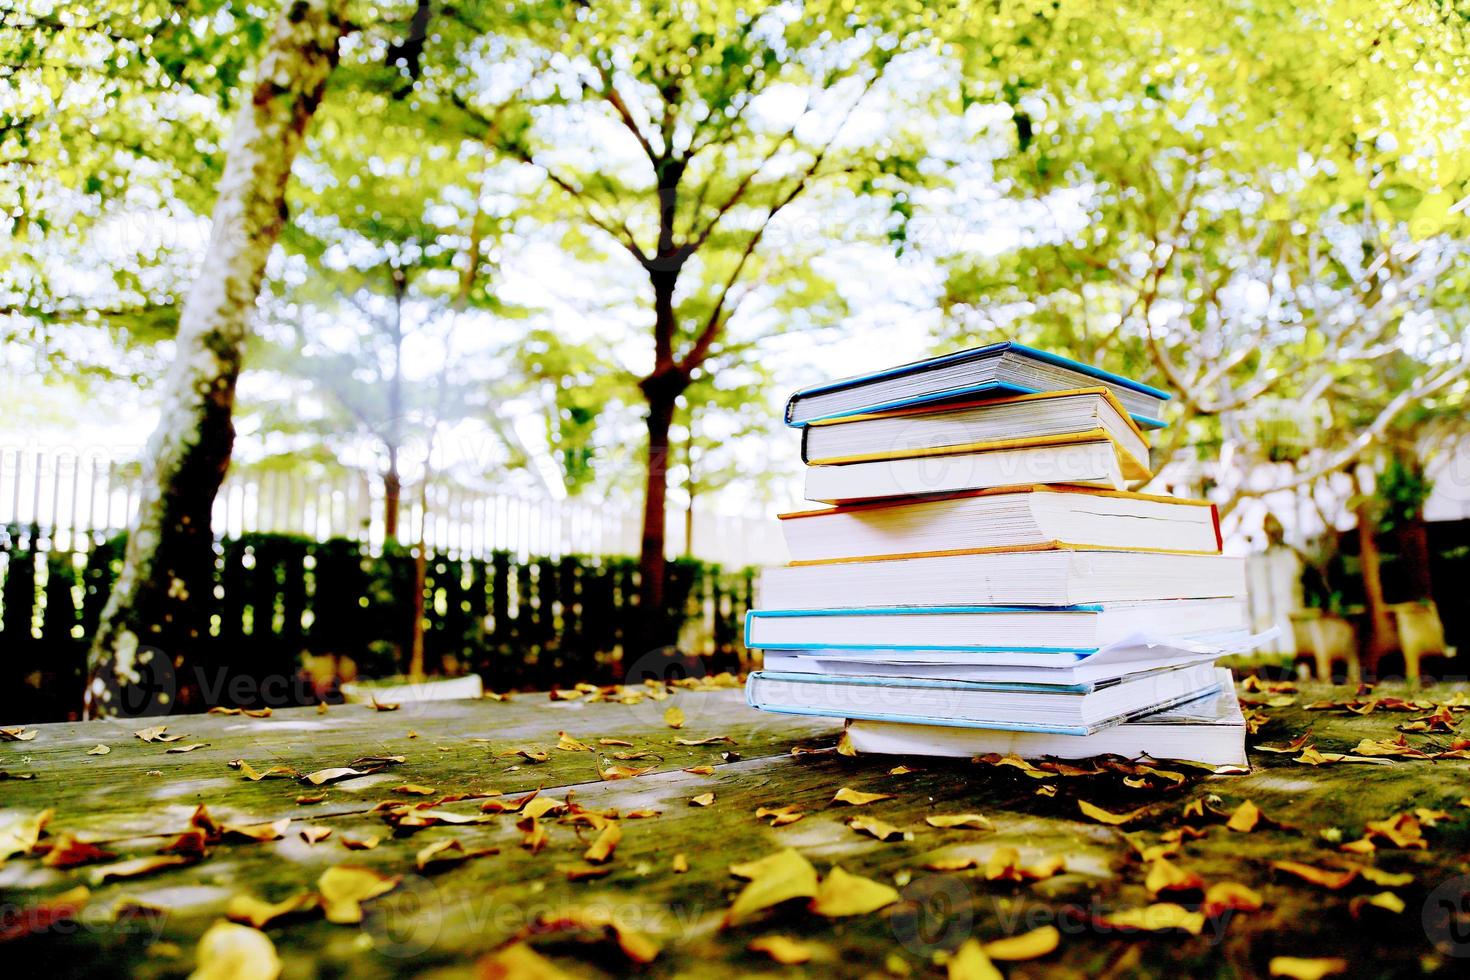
{"points": [[1133, 654], [1002, 520], [1208, 730], [1029, 629], [1069, 672], [1056, 419], [995, 369], [1049, 577], [1061, 709], [1094, 463]]}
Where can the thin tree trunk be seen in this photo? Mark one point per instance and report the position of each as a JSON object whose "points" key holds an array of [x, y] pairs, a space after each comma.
{"points": [[651, 562], [1380, 629], [392, 496], [158, 611]]}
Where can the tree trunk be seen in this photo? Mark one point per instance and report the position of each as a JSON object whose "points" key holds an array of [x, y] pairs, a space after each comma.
{"points": [[159, 608], [651, 563], [1380, 629], [392, 496]]}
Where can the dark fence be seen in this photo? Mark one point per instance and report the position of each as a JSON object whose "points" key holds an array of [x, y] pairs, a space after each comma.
{"points": [[286, 607]]}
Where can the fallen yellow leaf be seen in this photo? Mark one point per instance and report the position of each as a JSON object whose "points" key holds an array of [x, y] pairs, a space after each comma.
{"points": [[703, 799], [774, 879], [228, 951], [674, 717], [880, 829], [680, 864], [782, 949], [1156, 918], [1105, 816], [518, 962], [841, 894], [259, 913], [1245, 818], [969, 962], [607, 841], [69, 851], [1298, 968], [1027, 946], [1387, 901], [854, 797], [345, 887], [636, 946], [1329, 878], [134, 867], [1165, 876], [969, 821]]}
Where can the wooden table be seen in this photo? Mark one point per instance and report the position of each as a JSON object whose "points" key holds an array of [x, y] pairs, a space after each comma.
{"points": [[139, 793]]}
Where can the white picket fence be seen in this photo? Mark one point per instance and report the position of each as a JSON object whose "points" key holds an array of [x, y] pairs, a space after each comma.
{"points": [[71, 494]]}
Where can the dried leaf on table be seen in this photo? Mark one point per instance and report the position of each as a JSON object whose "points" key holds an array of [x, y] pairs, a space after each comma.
{"points": [[880, 829], [969, 962], [903, 770], [360, 843], [1027, 946], [1402, 830], [1301, 968], [345, 887], [1165, 876], [635, 946], [158, 733], [323, 777], [1311, 756], [845, 746], [414, 789], [1245, 818], [602, 848], [1332, 879], [443, 853], [1004, 864], [98, 749], [680, 864], [1386, 879], [701, 770], [274, 830], [192, 843], [780, 815], [1387, 901], [260, 913], [531, 753], [315, 835], [274, 772], [854, 797], [674, 717], [774, 879], [1164, 916], [1294, 745], [567, 743], [841, 894], [136, 867], [19, 832], [615, 741], [703, 799], [69, 851], [377, 705], [1225, 896], [615, 771], [1105, 816], [967, 821], [229, 951], [781, 949], [712, 740], [1396, 748]]}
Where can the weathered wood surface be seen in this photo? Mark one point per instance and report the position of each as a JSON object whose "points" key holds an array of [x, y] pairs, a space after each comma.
{"points": [[441, 924]]}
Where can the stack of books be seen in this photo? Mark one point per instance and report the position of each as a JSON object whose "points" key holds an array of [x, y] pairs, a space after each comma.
{"points": [[983, 581]]}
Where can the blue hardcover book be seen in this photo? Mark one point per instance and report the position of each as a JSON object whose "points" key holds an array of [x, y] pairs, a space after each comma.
{"points": [[1005, 368], [1068, 709], [1079, 629]]}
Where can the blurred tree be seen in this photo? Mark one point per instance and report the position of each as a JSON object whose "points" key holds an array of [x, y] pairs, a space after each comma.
{"points": [[1253, 206], [388, 277], [716, 117], [159, 597]]}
